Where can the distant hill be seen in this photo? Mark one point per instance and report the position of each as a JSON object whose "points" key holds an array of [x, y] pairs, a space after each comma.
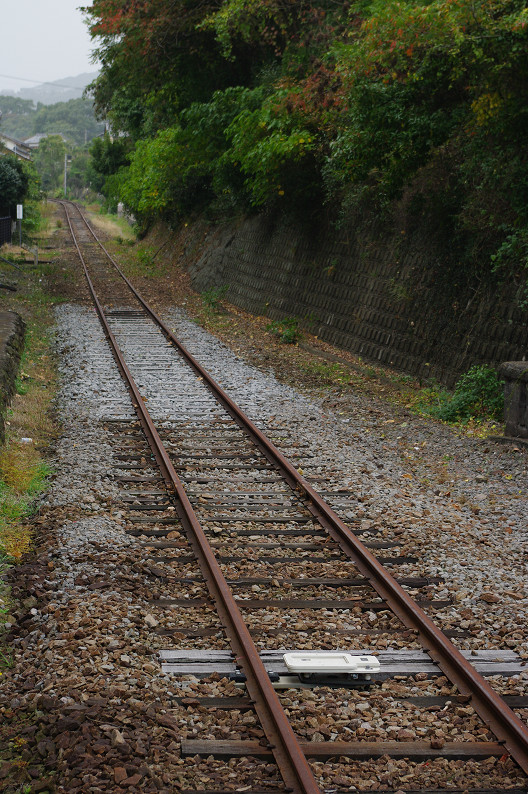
{"points": [[58, 91], [74, 119]]}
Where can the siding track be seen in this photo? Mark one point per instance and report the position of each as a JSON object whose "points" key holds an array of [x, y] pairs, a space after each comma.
{"points": [[209, 477]]}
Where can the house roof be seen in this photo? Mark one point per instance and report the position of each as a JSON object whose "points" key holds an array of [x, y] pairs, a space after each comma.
{"points": [[13, 146], [34, 141]]}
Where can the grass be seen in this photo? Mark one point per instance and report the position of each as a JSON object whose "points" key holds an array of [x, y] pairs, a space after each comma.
{"points": [[110, 224], [332, 374], [23, 465], [29, 430], [23, 469], [22, 477]]}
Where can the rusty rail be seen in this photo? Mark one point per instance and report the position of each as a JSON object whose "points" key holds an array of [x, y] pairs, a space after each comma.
{"points": [[290, 759], [507, 727]]}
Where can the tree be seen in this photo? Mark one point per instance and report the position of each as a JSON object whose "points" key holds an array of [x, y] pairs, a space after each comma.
{"points": [[348, 103], [14, 184], [74, 119], [49, 162], [157, 57], [79, 172], [19, 184]]}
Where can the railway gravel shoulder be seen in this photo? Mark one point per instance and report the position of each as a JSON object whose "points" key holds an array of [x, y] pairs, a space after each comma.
{"points": [[480, 554], [102, 716]]}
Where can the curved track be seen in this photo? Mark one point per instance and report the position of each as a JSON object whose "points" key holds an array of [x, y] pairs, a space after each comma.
{"points": [[303, 512]]}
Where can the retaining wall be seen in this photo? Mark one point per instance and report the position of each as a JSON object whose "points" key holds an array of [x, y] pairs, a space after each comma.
{"points": [[515, 374], [396, 297], [11, 343]]}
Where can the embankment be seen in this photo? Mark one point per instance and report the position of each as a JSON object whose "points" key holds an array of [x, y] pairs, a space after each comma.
{"points": [[395, 296]]}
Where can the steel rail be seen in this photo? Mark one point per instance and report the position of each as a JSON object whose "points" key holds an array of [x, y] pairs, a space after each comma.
{"points": [[505, 724], [289, 757]]}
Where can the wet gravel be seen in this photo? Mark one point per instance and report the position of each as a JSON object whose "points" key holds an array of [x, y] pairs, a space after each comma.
{"points": [[461, 502], [85, 700]]}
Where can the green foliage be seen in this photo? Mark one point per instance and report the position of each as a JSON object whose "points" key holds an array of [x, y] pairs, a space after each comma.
{"points": [[237, 105], [14, 183], [213, 297], [273, 152], [107, 158], [75, 119], [108, 155], [145, 257], [478, 394], [286, 330], [79, 171], [49, 162], [20, 184], [185, 167], [147, 187]]}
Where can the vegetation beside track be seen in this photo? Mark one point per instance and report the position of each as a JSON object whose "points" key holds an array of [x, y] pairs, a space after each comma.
{"points": [[29, 423]]}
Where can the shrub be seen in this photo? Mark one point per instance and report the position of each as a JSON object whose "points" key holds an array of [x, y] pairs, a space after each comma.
{"points": [[286, 330], [479, 394], [212, 297]]}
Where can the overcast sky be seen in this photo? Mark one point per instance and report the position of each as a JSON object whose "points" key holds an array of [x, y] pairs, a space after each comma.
{"points": [[43, 40]]}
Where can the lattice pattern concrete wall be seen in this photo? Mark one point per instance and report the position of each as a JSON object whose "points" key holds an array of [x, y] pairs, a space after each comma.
{"points": [[388, 297]]}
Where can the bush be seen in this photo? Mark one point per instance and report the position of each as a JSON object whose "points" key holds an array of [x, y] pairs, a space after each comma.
{"points": [[286, 330], [212, 297], [478, 394]]}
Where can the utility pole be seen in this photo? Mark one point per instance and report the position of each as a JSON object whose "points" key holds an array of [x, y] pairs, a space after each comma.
{"points": [[20, 215], [67, 159]]}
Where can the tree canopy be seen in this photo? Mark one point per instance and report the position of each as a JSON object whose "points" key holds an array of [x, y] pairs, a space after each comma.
{"points": [[14, 182], [237, 105], [19, 184]]}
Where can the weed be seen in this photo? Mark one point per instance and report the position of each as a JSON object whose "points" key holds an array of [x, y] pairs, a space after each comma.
{"points": [[398, 291], [213, 297], [478, 395], [311, 319], [20, 386], [145, 257], [330, 270], [22, 470], [330, 373], [120, 240], [287, 330]]}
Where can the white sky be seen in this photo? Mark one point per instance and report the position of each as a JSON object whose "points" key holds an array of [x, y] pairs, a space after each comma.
{"points": [[43, 40]]}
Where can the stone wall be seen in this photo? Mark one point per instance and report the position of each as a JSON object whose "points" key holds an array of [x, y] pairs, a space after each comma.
{"points": [[394, 297], [11, 343], [515, 374]]}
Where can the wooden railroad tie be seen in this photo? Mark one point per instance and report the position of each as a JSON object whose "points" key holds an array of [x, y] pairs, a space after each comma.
{"points": [[393, 662]]}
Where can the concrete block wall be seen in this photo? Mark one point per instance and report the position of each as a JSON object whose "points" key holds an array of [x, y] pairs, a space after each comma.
{"points": [[386, 296], [515, 374]]}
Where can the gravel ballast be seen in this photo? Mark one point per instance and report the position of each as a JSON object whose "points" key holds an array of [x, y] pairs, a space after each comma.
{"points": [[96, 712]]}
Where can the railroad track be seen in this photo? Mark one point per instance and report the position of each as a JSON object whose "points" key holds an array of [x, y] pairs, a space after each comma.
{"points": [[204, 485]]}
